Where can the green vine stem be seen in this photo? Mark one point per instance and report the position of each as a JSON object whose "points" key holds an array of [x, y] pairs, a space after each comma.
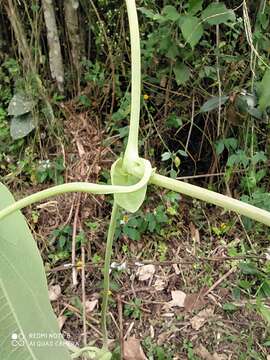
{"points": [[212, 197], [194, 191], [131, 154], [106, 275], [78, 187]]}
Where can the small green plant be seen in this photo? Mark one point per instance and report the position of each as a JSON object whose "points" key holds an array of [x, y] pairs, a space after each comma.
{"points": [[133, 309], [61, 240], [188, 346], [23, 283], [154, 351], [48, 170], [149, 220]]}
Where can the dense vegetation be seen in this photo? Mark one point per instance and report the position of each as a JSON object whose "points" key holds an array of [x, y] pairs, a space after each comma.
{"points": [[65, 83]]}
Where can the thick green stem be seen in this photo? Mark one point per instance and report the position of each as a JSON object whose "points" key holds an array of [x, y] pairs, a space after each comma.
{"points": [[131, 153], [78, 187], [212, 197], [106, 285]]}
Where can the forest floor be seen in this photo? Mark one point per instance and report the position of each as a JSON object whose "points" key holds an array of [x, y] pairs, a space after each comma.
{"points": [[187, 289]]}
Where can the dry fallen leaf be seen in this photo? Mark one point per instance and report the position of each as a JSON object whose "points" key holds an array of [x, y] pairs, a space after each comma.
{"points": [[219, 356], [54, 292], [178, 298], [200, 319], [204, 354], [195, 301], [90, 305], [61, 321], [176, 269], [133, 350], [159, 284], [194, 233], [145, 272]]}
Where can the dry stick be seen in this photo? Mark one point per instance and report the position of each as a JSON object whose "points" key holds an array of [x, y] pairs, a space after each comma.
{"points": [[232, 270], [77, 312], [191, 123], [163, 263], [148, 84], [203, 136], [167, 93], [245, 231]]}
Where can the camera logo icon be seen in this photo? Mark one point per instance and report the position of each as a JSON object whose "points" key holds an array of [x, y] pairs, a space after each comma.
{"points": [[17, 340]]}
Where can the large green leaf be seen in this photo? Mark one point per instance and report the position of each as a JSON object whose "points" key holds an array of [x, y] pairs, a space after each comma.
{"points": [[213, 103], [21, 126], [181, 72], [194, 6], [28, 326], [20, 104], [128, 201], [192, 29], [170, 13], [217, 13], [264, 89]]}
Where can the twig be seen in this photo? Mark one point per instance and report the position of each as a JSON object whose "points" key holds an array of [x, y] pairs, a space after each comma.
{"points": [[191, 123], [245, 231], [228, 273], [163, 263], [129, 330], [77, 312]]}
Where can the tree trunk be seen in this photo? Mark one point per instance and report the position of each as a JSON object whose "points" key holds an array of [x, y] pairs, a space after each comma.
{"points": [[55, 56], [23, 47], [72, 24]]}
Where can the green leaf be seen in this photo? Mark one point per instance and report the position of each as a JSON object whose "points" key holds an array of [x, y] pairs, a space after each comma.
{"points": [[214, 103], [150, 14], [20, 104], [219, 147], [256, 113], [25, 310], [264, 88], [166, 156], [129, 201], [21, 126], [231, 143], [173, 121], [192, 30], [265, 288], [132, 233], [194, 6], [182, 153], [170, 13], [265, 312], [181, 72], [217, 13], [93, 353], [229, 307], [248, 268]]}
